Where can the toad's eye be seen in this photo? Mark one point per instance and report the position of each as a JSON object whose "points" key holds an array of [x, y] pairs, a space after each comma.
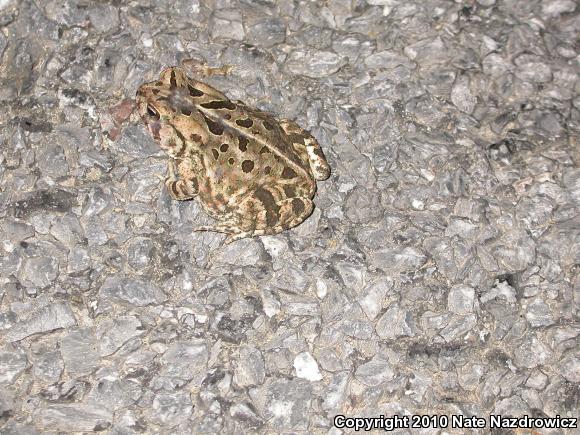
{"points": [[151, 111]]}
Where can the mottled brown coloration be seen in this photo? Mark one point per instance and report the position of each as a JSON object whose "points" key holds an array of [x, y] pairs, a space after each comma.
{"points": [[265, 179]]}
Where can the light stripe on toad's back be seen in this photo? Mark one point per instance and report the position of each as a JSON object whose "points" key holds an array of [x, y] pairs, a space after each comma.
{"points": [[251, 172]]}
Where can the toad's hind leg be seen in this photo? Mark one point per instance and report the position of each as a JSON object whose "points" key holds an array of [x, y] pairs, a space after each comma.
{"points": [[286, 214], [302, 138]]}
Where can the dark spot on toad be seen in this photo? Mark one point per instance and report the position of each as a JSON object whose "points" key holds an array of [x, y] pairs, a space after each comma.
{"points": [[247, 166], [267, 170], [269, 202], [215, 153], [297, 138], [297, 206], [172, 79], [224, 147], [264, 150], [288, 173], [219, 105], [289, 191], [243, 143], [213, 126], [247, 123], [268, 125], [231, 161], [195, 137], [194, 92]]}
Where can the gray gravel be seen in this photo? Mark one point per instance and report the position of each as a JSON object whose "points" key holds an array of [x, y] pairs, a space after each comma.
{"points": [[438, 274]]}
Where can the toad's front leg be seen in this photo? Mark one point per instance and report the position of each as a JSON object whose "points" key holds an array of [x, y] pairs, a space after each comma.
{"points": [[184, 184]]}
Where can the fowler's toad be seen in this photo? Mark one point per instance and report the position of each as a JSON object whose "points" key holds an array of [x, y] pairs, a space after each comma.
{"points": [[253, 173]]}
